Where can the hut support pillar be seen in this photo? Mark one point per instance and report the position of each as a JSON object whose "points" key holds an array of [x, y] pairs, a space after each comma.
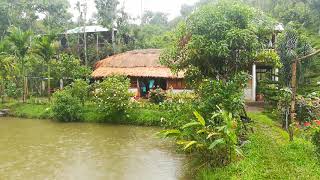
{"points": [[138, 88]]}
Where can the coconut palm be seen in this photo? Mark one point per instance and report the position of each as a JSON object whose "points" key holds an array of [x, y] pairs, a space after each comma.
{"points": [[19, 46], [46, 47]]}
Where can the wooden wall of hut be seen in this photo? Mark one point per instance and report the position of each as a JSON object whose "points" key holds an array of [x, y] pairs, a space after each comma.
{"points": [[176, 84]]}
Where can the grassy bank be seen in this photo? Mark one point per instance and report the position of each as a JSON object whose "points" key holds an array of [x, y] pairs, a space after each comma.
{"points": [[270, 155], [135, 116], [27, 110]]}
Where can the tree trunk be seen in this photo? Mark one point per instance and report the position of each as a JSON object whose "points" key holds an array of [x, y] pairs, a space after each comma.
{"points": [[49, 86], [24, 82], [293, 98]]}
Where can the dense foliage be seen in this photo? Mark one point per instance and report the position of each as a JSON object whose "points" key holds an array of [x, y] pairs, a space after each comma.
{"points": [[218, 41], [214, 141], [66, 107], [157, 95], [112, 96], [80, 89], [228, 95], [308, 108]]}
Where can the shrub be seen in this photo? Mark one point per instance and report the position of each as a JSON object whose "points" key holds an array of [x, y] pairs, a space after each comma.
{"points": [[228, 95], [66, 107], [112, 95], [80, 89], [277, 100], [308, 107], [12, 90], [315, 139], [178, 109], [157, 95]]}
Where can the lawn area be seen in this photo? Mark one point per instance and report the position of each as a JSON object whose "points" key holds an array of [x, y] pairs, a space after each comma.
{"points": [[27, 110], [135, 116], [270, 155]]}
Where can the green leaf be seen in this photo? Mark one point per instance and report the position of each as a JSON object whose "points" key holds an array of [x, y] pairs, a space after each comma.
{"points": [[238, 151], [215, 115], [212, 134], [201, 131], [189, 144], [221, 128], [200, 118], [216, 142], [191, 125], [170, 133], [182, 142]]}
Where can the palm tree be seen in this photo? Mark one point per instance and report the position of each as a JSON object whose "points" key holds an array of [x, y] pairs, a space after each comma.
{"points": [[20, 44], [46, 48]]}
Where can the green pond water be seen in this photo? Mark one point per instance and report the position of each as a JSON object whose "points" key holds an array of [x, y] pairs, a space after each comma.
{"points": [[43, 149]]}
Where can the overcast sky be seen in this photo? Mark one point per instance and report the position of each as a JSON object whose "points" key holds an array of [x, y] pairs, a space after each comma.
{"points": [[133, 7]]}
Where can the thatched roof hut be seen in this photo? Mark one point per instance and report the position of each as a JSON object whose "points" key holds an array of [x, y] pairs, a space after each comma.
{"points": [[137, 63]]}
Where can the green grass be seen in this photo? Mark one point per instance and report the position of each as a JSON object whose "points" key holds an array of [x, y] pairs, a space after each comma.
{"points": [[270, 155], [28, 110], [134, 116]]}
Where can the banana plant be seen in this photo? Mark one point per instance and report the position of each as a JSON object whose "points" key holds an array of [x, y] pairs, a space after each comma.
{"points": [[207, 137]]}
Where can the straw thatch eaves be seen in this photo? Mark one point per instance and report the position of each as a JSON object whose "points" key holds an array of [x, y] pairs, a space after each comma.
{"points": [[137, 63]]}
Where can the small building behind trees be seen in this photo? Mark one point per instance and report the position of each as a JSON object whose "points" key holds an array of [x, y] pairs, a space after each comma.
{"points": [[144, 70]]}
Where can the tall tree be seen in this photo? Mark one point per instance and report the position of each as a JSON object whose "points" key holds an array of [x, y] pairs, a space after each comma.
{"points": [[217, 41], [56, 15], [107, 15], [107, 12], [154, 18], [46, 47], [20, 45]]}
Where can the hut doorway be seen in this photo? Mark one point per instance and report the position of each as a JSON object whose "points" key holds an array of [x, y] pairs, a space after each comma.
{"points": [[146, 84]]}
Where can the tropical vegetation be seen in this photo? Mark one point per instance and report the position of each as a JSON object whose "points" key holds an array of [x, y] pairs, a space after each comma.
{"points": [[214, 42]]}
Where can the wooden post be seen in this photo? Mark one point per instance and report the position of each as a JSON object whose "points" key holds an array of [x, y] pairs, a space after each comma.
{"points": [[49, 84], [293, 97], [138, 88], [254, 82]]}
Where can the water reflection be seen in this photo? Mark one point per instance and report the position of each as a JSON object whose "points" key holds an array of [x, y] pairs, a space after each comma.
{"points": [[40, 149]]}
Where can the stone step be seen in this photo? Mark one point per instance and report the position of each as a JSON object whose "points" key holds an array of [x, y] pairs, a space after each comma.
{"points": [[4, 112]]}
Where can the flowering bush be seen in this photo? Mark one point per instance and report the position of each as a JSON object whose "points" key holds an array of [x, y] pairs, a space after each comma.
{"points": [[112, 95], [308, 107]]}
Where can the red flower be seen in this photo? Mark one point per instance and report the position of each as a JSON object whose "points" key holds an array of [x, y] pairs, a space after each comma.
{"points": [[317, 122], [306, 124]]}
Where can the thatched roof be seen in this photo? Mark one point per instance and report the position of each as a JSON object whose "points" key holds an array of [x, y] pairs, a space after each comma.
{"points": [[137, 63]]}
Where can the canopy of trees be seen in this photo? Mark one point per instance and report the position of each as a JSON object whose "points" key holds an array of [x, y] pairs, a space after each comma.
{"points": [[218, 40]]}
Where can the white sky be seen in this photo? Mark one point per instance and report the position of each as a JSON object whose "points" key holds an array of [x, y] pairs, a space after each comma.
{"points": [[133, 7]]}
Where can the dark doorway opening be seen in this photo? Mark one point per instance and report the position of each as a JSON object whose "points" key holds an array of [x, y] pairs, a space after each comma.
{"points": [[146, 84]]}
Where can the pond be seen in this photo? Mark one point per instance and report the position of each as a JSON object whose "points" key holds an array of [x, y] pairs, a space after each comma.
{"points": [[43, 149]]}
